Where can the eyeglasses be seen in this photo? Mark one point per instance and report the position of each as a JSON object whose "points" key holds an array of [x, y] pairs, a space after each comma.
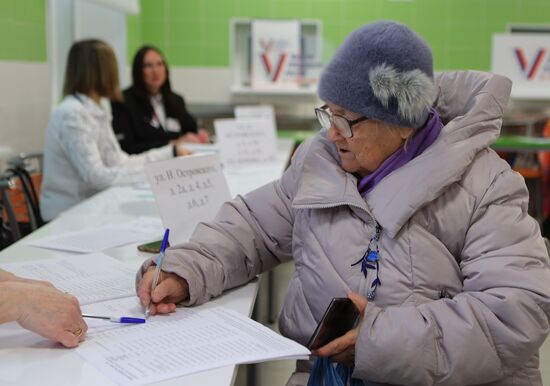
{"points": [[341, 124]]}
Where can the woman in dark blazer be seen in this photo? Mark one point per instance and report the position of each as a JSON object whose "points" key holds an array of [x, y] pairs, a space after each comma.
{"points": [[152, 115]]}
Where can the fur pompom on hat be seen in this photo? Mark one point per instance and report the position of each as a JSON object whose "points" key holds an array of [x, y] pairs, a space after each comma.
{"points": [[383, 70]]}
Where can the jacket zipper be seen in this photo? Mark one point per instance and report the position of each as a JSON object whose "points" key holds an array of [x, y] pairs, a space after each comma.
{"points": [[334, 205], [331, 205]]}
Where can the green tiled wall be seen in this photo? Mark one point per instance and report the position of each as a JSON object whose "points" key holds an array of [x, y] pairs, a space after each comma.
{"points": [[23, 30], [196, 32]]}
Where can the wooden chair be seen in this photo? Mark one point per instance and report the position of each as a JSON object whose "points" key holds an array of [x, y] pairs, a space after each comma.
{"points": [[9, 227], [24, 196], [19, 197]]}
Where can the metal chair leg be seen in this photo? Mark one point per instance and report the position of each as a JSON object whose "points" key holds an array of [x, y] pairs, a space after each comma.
{"points": [[12, 220]]}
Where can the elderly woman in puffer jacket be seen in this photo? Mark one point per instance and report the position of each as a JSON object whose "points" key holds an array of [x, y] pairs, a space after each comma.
{"points": [[457, 287]]}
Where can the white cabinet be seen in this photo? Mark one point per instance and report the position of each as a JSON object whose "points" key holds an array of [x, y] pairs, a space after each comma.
{"points": [[302, 66]]}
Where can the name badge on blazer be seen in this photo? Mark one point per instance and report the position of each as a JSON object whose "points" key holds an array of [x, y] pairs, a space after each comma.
{"points": [[154, 122], [173, 125]]}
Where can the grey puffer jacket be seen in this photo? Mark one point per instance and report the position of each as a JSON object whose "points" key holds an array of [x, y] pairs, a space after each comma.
{"points": [[454, 219]]}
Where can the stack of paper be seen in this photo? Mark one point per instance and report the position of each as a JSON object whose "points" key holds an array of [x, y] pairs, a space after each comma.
{"points": [[166, 346], [91, 278], [188, 341], [101, 238]]}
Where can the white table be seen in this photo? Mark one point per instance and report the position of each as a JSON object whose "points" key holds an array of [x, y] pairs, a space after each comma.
{"points": [[26, 359]]}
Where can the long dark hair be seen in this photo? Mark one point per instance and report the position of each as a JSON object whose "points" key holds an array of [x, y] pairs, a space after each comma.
{"points": [[140, 89]]}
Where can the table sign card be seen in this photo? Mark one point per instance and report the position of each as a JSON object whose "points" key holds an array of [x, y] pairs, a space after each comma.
{"points": [[266, 112], [187, 190], [246, 141]]}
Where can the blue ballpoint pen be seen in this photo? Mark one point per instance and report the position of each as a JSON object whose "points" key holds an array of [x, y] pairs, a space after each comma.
{"points": [[157, 270], [115, 319]]}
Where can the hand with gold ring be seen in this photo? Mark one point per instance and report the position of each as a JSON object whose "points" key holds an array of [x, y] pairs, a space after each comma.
{"points": [[78, 332], [44, 310]]}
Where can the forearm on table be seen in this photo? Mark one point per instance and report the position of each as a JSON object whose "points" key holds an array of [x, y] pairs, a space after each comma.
{"points": [[6, 276], [9, 302]]}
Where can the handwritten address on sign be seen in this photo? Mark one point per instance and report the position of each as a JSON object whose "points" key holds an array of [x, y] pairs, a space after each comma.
{"points": [[187, 190], [193, 184], [246, 141]]}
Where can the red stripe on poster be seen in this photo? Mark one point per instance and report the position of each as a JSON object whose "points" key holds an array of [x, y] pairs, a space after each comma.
{"points": [[282, 60]]}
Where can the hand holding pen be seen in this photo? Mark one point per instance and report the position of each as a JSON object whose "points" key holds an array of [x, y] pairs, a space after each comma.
{"points": [[169, 290], [160, 258]]}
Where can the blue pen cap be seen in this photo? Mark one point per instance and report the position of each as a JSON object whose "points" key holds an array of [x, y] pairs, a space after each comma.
{"points": [[125, 319]]}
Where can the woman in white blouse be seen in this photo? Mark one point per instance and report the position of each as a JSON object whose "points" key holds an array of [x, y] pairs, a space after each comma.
{"points": [[81, 153]]}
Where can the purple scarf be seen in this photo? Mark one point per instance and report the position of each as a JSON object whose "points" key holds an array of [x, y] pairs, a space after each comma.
{"points": [[420, 142]]}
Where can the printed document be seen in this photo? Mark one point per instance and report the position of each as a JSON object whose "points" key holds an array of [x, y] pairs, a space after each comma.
{"points": [[185, 342], [91, 278], [94, 240]]}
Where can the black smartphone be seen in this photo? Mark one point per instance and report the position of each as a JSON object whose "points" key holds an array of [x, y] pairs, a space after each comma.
{"points": [[152, 247], [340, 317]]}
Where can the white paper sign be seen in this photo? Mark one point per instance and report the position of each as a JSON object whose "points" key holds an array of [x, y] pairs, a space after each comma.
{"points": [[187, 190], [261, 112], [255, 112], [246, 141], [525, 59], [275, 53]]}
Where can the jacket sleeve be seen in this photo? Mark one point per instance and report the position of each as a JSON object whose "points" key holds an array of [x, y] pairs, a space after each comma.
{"points": [[139, 135], [80, 143], [187, 121], [487, 331], [127, 130], [249, 235]]}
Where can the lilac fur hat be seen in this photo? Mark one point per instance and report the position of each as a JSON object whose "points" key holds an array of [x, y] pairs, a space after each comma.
{"points": [[383, 70]]}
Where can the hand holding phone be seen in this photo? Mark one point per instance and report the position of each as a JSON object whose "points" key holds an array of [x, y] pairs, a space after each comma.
{"points": [[340, 316]]}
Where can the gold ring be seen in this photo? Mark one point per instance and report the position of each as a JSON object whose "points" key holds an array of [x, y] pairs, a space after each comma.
{"points": [[78, 332]]}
